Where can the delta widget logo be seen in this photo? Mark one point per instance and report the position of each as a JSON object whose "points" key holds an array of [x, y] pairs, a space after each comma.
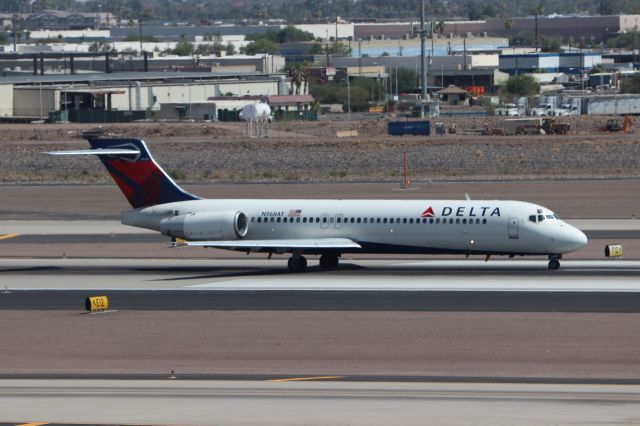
{"points": [[428, 212]]}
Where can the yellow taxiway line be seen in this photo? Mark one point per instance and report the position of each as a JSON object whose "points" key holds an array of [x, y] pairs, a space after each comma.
{"points": [[6, 237], [33, 424], [300, 379]]}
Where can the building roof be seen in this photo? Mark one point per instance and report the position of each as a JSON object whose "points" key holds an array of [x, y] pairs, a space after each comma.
{"points": [[290, 99], [119, 77], [452, 90]]}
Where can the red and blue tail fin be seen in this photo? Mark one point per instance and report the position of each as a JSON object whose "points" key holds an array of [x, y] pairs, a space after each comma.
{"points": [[134, 170]]}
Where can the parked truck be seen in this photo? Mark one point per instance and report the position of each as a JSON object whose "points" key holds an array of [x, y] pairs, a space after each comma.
{"points": [[530, 126]]}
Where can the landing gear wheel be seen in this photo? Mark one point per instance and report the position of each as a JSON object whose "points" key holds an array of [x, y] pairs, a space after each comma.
{"points": [[297, 263], [554, 264], [329, 261]]}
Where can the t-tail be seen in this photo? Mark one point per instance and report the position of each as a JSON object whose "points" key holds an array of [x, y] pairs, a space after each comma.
{"points": [[140, 178]]}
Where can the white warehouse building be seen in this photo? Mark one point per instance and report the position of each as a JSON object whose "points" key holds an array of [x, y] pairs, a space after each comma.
{"points": [[37, 96]]}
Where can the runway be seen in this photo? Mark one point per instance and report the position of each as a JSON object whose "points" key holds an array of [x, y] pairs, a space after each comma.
{"points": [[317, 402], [401, 340]]}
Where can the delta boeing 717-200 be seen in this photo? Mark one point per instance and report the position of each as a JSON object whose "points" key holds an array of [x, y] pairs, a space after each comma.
{"points": [[328, 228]]}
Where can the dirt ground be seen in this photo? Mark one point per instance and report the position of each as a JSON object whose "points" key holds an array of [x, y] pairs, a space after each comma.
{"points": [[311, 152]]}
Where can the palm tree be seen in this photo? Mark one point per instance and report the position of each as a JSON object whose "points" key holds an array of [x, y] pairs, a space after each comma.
{"points": [[298, 76]]}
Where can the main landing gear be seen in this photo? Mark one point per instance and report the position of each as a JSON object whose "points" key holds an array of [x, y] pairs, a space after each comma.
{"points": [[298, 263], [329, 261], [554, 261]]}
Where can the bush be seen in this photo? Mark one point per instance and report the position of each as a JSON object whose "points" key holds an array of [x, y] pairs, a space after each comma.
{"points": [[521, 85]]}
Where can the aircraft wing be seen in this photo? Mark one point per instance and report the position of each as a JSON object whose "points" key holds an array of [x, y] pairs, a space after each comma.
{"points": [[281, 246]]}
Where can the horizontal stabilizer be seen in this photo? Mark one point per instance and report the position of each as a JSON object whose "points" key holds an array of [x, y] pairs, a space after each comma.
{"points": [[98, 151], [279, 245]]}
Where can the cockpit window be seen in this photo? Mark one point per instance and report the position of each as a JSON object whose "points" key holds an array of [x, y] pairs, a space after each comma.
{"points": [[540, 217], [556, 216], [532, 218], [550, 216]]}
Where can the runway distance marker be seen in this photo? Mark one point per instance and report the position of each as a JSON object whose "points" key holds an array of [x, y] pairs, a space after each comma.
{"points": [[6, 237], [613, 250], [95, 304], [300, 379]]}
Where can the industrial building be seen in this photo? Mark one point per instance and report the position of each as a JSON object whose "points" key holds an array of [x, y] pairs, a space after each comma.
{"points": [[123, 96], [569, 63]]}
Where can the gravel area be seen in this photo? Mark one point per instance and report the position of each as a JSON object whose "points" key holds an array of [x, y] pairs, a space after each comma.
{"points": [[310, 151]]}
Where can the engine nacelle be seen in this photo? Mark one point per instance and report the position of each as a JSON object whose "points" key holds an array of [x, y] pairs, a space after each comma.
{"points": [[225, 225]]}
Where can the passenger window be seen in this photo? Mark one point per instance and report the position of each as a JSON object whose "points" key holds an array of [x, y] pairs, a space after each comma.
{"points": [[324, 220], [298, 219], [464, 221], [304, 220], [411, 220], [477, 221], [252, 219], [437, 220], [279, 219], [339, 220], [390, 220], [484, 221], [359, 220], [430, 220], [273, 219], [451, 221], [384, 220], [378, 220], [259, 219], [458, 221], [404, 220], [352, 220], [397, 220], [371, 220], [317, 220], [365, 220]]}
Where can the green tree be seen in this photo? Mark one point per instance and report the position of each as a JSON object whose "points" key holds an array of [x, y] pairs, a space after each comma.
{"points": [[630, 85], [183, 48], [315, 49], [522, 85], [230, 49], [628, 40], [407, 80], [338, 49], [261, 46]]}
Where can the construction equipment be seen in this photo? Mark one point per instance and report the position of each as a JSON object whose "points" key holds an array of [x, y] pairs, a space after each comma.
{"points": [[613, 125], [550, 127]]}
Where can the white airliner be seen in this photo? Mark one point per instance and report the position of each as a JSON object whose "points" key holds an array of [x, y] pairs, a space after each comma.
{"points": [[329, 228]]}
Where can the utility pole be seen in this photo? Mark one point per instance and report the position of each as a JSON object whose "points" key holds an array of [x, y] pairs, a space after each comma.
{"points": [[140, 32], [13, 27], [423, 69]]}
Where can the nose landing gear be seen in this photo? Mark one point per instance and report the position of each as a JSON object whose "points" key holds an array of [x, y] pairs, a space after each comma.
{"points": [[554, 261]]}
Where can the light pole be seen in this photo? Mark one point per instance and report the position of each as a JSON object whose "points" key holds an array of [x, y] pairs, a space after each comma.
{"points": [[348, 97]]}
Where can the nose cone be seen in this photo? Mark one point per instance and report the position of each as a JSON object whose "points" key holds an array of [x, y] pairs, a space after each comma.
{"points": [[573, 239]]}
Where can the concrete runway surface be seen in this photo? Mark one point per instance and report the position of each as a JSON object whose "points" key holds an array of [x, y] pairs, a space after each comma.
{"points": [[315, 403], [255, 274]]}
